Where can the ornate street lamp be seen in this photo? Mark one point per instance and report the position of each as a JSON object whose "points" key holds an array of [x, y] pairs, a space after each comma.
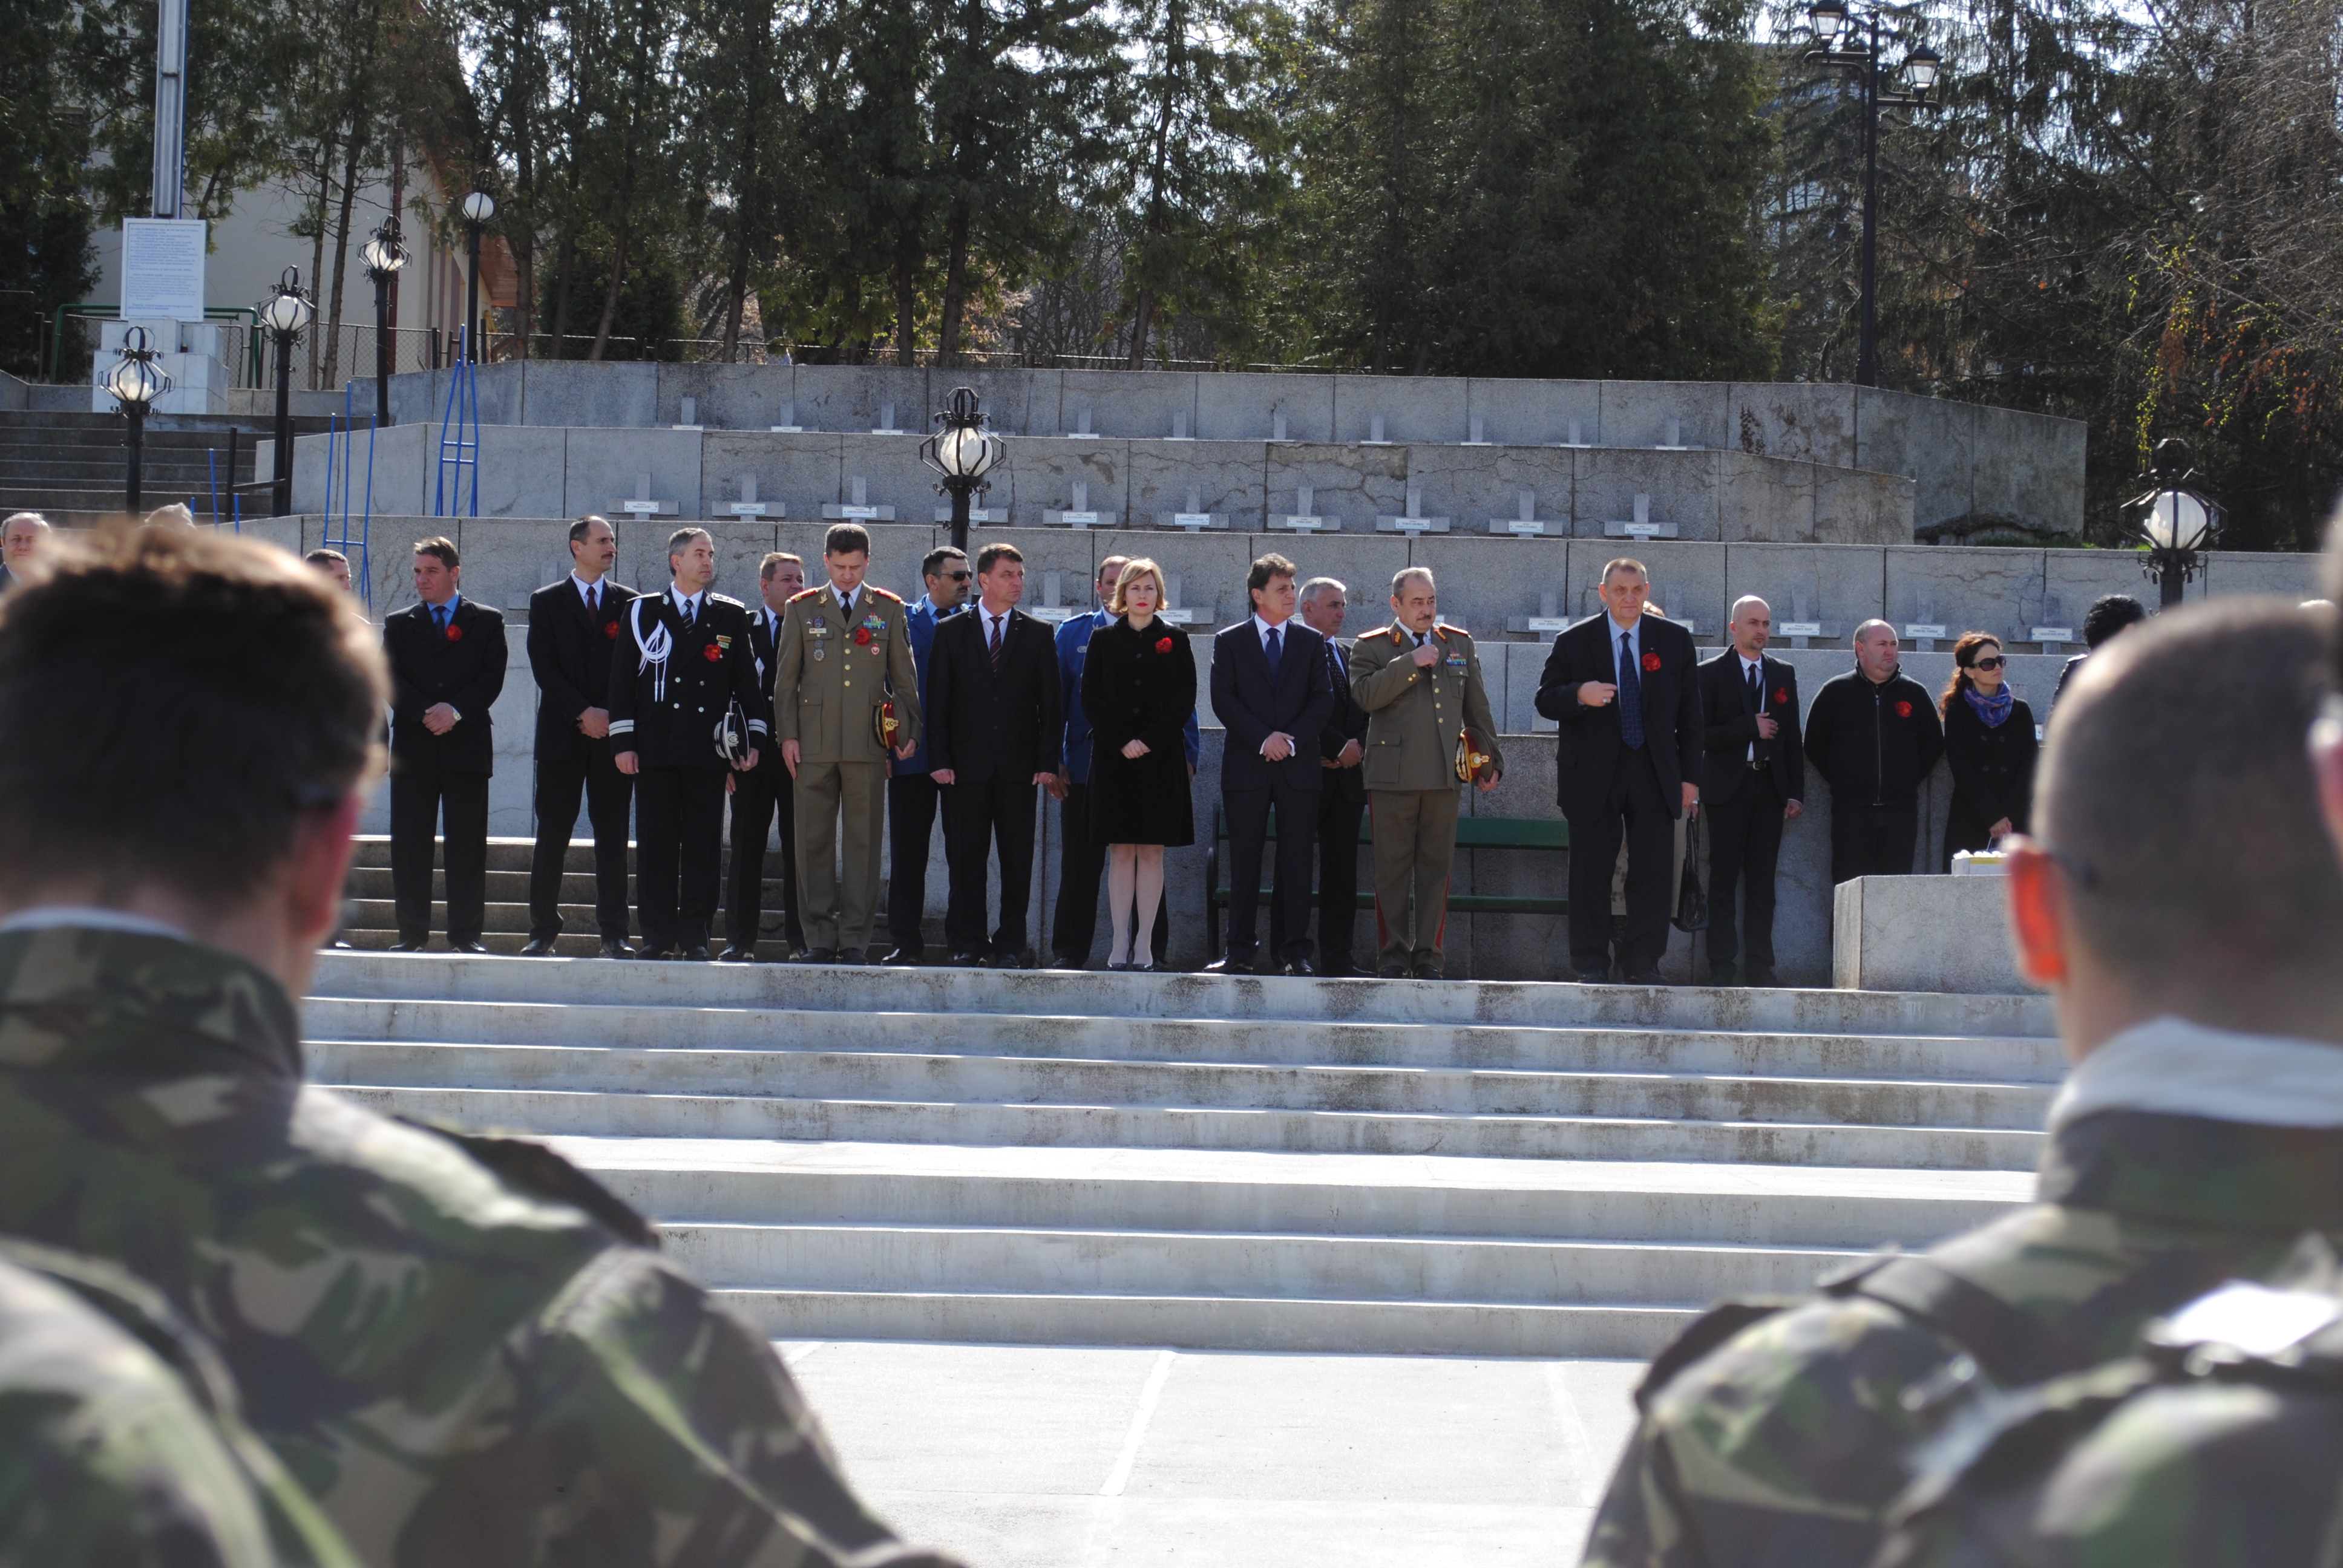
{"points": [[479, 208], [136, 381], [286, 314], [963, 452], [2177, 521], [1849, 39], [384, 255]]}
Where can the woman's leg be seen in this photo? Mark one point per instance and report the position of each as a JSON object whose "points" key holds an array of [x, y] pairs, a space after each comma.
{"points": [[1120, 877], [1148, 872]]}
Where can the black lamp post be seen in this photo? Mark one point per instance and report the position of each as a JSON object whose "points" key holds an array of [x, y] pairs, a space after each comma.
{"points": [[384, 255], [963, 452], [1849, 39], [288, 310], [2177, 521], [479, 208], [136, 381]]}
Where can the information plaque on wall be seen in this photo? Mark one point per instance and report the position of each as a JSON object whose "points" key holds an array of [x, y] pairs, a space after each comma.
{"points": [[162, 268]]}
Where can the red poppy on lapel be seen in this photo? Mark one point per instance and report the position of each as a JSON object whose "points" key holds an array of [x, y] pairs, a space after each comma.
{"points": [[1162, 645], [609, 631], [862, 637], [1651, 664], [1903, 710], [1780, 694], [455, 632], [712, 654]]}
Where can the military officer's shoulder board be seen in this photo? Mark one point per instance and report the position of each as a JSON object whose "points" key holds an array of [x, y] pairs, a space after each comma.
{"points": [[803, 594], [882, 593], [1445, 629], [726, 599], [1379, 631]]}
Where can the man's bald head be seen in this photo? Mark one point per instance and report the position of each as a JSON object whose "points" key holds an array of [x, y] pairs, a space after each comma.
{"points": [[20, 536], [2175, 792]]}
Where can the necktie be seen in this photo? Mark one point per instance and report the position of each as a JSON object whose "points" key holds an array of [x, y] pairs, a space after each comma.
{"points": [[996, 642], [1631, 694], [592, 600], [846, 605], [688, 616], [1276, 656], [1757, 703], [439, 618]]}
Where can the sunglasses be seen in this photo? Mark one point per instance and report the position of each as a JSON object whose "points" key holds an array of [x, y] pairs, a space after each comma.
{"points": [[1988, 664], [958, 576]]}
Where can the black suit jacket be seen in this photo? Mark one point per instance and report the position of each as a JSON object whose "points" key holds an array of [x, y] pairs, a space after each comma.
{"points": [[1732, 727], [464, 669], [667, 715], [1589, 750], [1251, 708], [1346, 722], [980, 723], [570, 656]]}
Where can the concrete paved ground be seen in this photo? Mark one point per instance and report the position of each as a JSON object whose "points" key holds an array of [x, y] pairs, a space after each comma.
{"points": [[1019, 1456]]}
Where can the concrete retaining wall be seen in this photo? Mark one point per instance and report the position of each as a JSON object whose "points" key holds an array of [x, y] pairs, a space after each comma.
{"points": [[1962, 458]]}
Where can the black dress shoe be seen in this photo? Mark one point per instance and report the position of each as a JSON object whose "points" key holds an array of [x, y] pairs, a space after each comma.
{"points": [[1594, 977], [904, 958], [968, 961], [466, 948], [341, 944], [409, 944], [1301, 966], [1646, 977], [1229, 966], [1005, 961], [655, 955], [1760, 978], [818, 956], [616, 948], [1391, 971], [735, 956], [538, 948], [1426, 968], [695, 952], [1066, 961], [853, 958]]}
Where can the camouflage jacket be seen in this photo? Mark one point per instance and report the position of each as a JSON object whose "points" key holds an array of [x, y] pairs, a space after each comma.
{"points": [[2200, 1452], [460, 1367], [120, 1443], [1785, 1444]]}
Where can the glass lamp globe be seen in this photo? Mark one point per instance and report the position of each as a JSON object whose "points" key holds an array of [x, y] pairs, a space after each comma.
{"points": [[479, 207], [1828, 19], [2177, 520], [1921, 68], [383, 253], [288, 310]]}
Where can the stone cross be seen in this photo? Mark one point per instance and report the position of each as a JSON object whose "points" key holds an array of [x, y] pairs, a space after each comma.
{"points": [[641, 504], [858, 509], [1923, 633], [1525, 523], [1302, 519], [1576, 439], [1195, 518], [1375, 432], [691, 420], [2054, 634], [886, 421], [789, 425], [1641, 526], [1277, 425], [1082, 423], [1180, 424], [1413, 520], [747, 506], [1478, 436]]}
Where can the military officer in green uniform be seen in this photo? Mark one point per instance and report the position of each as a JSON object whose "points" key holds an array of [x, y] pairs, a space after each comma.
{"points": [[1429, 728], [843, 662], [464, 1351]]}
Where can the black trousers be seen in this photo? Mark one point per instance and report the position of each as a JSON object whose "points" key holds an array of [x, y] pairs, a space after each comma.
{"points": [[1744, 839], [1081, 867], [678, 841], [756, 798], [1248, 811], [1338, 883], [911, 802], [418, 799], [1873, 841], [1636, 810], [978, 815], [609, 794]]}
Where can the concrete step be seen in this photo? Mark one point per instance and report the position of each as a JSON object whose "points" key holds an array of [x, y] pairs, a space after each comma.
{"points": [[505, 853]]}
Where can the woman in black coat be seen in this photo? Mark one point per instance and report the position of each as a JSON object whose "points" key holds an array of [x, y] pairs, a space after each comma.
{"points": [[1138, 685], [1989, 742]]}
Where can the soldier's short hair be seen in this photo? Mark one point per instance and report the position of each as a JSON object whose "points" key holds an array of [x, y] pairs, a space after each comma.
{"points": [[442, 548], [845, 539], [2176, 792], [1134, 569], [773, 559], [935, 558], [680, 540], [1265, 569], [1622, 564], [579, 530], [2109, 613], [1317, 586], [186, 755], [320, 558], [1399, 580], [992, 555], [1110, 567]]}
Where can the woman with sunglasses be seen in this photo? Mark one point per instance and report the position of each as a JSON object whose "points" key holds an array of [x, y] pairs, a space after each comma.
{"points": [[1989, 742]]}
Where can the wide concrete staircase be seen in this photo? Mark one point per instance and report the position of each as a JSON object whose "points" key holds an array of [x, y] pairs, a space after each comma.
{"points": [[1333, 1165], [72, 465]]}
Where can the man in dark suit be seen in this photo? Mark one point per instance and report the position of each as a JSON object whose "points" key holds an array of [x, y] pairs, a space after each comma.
{"points": [[683, 659], [1341, 792], [573, 625], [1273, 694], [765, 789], [993, 738], [447, 658], [1755, 778], [1621, 687], [912, 797]]}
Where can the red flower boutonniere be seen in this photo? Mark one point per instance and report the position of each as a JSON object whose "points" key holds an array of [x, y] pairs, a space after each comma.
{"points": [[1651, 664], [609, 631], [862, 637], [1780, 694], [1903, 710], [712, 654], [1162, 645], [455, 632]]}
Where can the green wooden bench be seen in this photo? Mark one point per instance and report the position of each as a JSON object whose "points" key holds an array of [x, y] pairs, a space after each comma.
{"points": [[1472, 833]]}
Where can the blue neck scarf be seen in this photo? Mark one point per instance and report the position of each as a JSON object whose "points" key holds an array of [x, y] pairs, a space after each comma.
{"points": [[1992, 709]]}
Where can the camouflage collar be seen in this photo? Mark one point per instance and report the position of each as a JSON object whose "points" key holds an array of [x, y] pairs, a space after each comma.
{"points": [[75, 999], [2197, 1171]]}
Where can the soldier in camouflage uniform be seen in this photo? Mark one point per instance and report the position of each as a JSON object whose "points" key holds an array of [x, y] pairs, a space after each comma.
{"points": [[120, 1440], [463, 1349], [2188, 937]]}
